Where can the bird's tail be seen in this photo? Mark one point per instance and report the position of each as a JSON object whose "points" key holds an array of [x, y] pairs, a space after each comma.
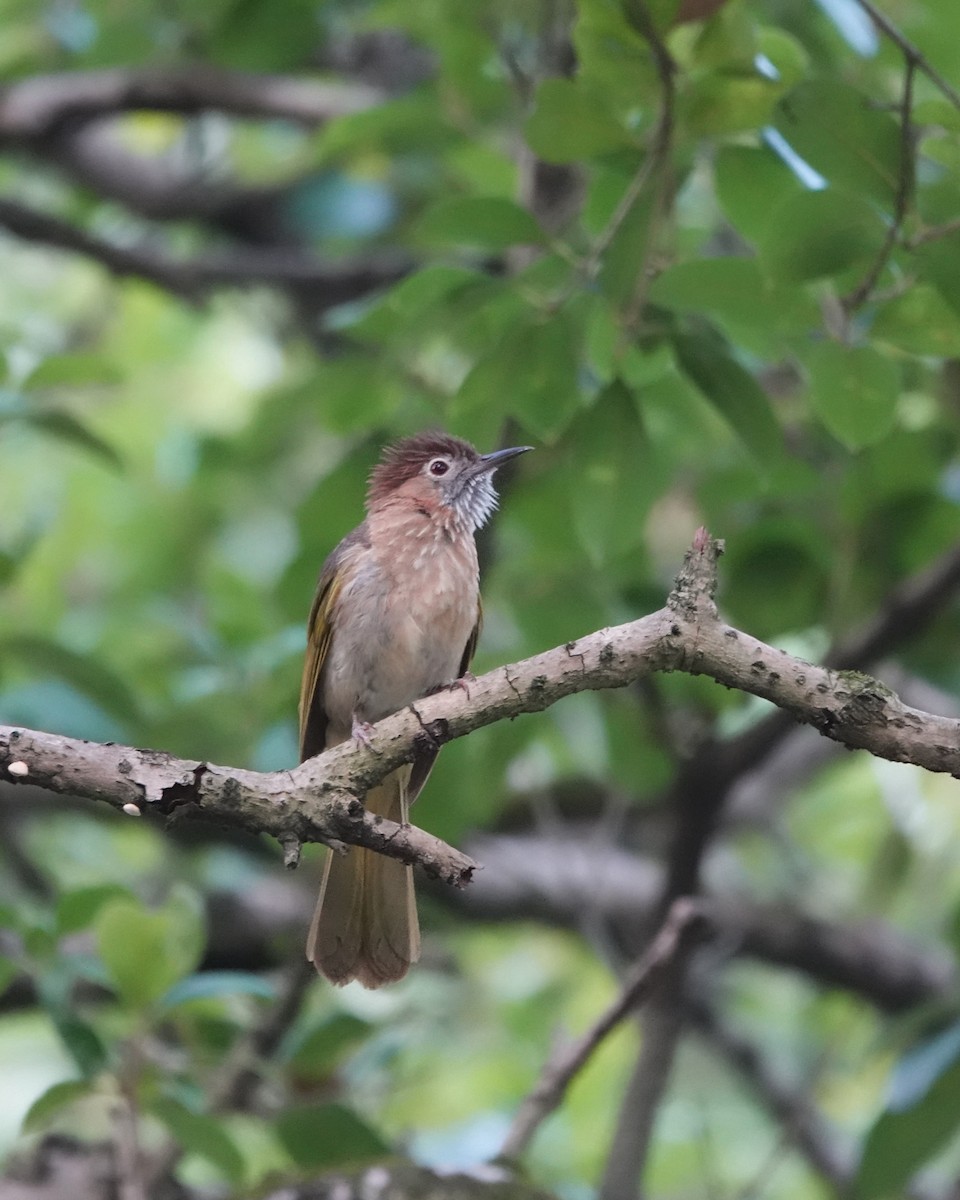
{"points": [[365, 924]]}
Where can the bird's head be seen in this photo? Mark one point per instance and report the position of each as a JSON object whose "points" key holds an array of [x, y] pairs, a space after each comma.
{"points": [[439, 471]]}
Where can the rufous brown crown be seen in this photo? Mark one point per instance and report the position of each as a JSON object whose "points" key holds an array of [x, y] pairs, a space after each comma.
{"points": [[406, 458]]}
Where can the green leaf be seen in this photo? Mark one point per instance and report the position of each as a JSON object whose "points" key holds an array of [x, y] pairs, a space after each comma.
{"points": [[532, 375], [485, 222], [751, 182], [313, 1051], [661, 13], [720, 102], [63, 426], [328, 1135], [853, 390], [919, 322], [187, 937], [146, 953], [214, 984], [9, 564], [788, 56], [922, 1113], [8, 969], [602, 338], [845, 136], [751, 308], [76, 909], [133, 945], [84, 672], [778, 577], [613, 474], [409, 304], [74, 371], [612, 58], [569, 124], [250, 36], [629, 249], [199, 1133], [52, 1101], [937, 112], [939, 261], [727, 40], [84, 1045], [816, 234], [733, 391]]}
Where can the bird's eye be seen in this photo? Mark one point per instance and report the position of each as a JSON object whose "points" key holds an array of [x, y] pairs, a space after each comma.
{"points": [[439, 466]]}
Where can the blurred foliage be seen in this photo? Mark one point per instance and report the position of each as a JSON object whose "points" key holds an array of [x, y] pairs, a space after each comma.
{"points": [[682, 350]]}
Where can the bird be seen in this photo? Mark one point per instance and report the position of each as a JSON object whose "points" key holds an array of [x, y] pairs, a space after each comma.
{"points": [[396, 615]]}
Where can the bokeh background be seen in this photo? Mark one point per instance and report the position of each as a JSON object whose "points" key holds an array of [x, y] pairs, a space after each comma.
{"points": [[707, 260]]}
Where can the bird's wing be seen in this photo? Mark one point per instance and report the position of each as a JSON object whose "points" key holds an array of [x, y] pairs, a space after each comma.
{"points": [[313, 716], [423, 763]]}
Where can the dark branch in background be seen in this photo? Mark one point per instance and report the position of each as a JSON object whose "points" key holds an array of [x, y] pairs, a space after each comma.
{"points": [[557, 879], [566, 1063], [901, 200], [789, 1106], [44, 105], [660, 1030], [906, 611], [329, 284], [699, 796], [61, 1168], [69, 121]]}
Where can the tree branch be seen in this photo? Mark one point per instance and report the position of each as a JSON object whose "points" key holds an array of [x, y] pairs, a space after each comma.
{"points": [[910, 51], [562, 1067], [560, 878], [659, 153], [43, 104], [789, 1106], [901, 200], [321, 800], [193, 278]]}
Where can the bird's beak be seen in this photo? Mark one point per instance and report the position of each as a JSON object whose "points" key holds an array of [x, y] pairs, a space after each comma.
{"points": [[490, 462]]}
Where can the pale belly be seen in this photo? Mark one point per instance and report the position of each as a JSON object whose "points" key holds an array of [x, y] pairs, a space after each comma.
{"points": [[400, 642]]}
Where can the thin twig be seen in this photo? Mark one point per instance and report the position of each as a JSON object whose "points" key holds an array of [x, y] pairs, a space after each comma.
{"points": [[624, 207], [802, 1125], [43, 104], [564, 1065], [933, 232], [901, 199], [661, 1025], [908, 609], [243, 1069], [132, 1183], [912, 53], [191, 279], [659, 154]]}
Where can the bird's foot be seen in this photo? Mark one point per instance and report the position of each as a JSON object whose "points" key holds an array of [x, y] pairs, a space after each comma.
{"points": [[463, 682], [361, 731]]}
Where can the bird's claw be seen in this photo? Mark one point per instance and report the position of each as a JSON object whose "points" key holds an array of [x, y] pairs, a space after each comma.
{"points": [[464, 682], [361, 731]]}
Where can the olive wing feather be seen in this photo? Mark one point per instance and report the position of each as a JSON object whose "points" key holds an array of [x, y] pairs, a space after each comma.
{"points": [[313, 716]]}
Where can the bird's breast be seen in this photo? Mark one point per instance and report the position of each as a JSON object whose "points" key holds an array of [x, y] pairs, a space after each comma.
{"points": [[403, 621]]}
